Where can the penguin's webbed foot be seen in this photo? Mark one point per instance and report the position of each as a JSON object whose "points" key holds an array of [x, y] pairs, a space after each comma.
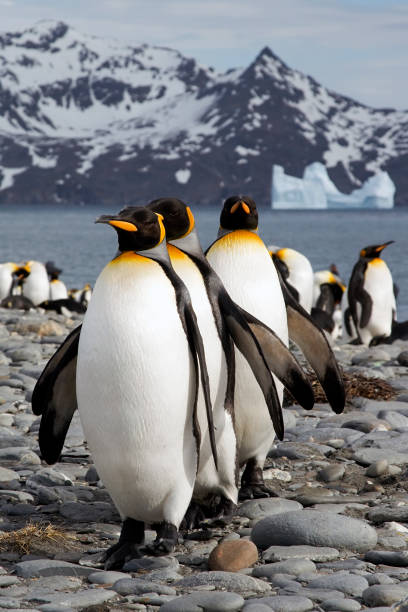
{"points": [[223, 514], [166, 539], [252, 483], [128, 547], [255, 491], [193, 517]]}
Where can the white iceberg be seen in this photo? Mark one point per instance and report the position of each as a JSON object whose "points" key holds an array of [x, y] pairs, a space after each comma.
{"points": [[317, 191]]}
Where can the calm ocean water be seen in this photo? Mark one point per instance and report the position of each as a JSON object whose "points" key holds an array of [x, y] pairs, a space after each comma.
{"points": [[69, 237]]}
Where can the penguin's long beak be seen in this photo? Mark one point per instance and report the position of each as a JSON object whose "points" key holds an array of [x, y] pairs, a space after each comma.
{"points": [[243, 205], [381, 247], [117, 222]]}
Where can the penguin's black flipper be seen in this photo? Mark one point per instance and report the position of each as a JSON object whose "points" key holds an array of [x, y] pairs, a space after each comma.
{"points": [[315, 347], [281, 361], [54, 397], [366, 307], [247, 343]]}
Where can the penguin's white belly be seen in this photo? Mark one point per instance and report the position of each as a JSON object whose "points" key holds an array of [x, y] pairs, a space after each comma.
{"points": [[58, 290], [36, 287], [6, 282], [302, 279], [378, 284], [208, 479], [248, 273], [135, 391]]}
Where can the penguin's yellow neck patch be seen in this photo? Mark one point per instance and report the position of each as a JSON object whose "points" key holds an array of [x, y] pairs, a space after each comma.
{"points": [[377, 262], [176, 254], [238, 237], [129, 257]]}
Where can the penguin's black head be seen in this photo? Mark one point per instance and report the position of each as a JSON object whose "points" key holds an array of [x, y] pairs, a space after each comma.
{"points": [[177, 217], [239, 212], [138, 228], [373, 251], [52, 271]]}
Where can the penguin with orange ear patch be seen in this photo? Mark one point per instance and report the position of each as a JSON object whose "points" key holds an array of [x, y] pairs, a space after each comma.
{"points": [[371, 299], [242, 261]]}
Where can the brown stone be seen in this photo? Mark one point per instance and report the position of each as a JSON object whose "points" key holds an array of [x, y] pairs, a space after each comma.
{"points": [[232, 556]]}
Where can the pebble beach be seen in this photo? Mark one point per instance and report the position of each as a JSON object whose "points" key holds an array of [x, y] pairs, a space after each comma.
{"points": [[335, 538]]}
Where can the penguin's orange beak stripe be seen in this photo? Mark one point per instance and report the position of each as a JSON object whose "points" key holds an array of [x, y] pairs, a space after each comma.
{"points": [[125, 225], [245, 207]]}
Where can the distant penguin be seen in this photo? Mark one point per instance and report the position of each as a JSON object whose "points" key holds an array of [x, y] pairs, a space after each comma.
{"points": [[36, 286], [58, 290], [7, 270], [82, 296], [329, 292], [140, 357], [371, 306], [297, 271], [248, 273], [222, 323], [17, 302]]}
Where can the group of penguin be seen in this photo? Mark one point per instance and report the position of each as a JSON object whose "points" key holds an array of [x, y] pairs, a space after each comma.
{"points": [[34, 284], [178, 371], [367, 306]]}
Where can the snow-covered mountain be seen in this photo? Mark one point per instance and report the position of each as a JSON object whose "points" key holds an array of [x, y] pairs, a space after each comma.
{"points": [[86, 119]]}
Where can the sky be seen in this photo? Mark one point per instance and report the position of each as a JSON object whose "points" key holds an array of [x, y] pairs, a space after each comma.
{"points": [[357, 48]]}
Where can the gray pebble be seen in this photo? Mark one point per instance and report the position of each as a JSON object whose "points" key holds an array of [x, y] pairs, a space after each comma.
{"points": [[316, 529], [283, 603], [314, 553], [331, 473], [258, 508], [296, 567], [383, 595], [48, 567], [6, 581], [341, 605], [377, 469], [403, 358], [83, 599], [151, 563], [89, 512], [385, 514], [386, 557], [342, 581], [138, 586], [225, 580], [103, 577], [367, 456], [205, 602]]}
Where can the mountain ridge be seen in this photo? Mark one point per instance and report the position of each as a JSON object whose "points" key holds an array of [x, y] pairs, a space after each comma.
{"points": [[91, 120]]}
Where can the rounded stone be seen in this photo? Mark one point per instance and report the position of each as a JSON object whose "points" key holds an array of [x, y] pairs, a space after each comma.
{"points": [[349, 584], [314, 528], [205, 602], [295, 567], [285, 603], [233, 555], [102, 577], [341, 605], [403, 358], [238, 583], [331, 473], [383, 595], [377, 468], [258, 508]]}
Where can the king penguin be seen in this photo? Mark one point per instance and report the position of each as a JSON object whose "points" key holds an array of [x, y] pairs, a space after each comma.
{"points": [[36, 286], [223, 324], [328, 292], [371, 301], [58, 290], [248, 273], [139, 358], [7, 271], [297, 272]]}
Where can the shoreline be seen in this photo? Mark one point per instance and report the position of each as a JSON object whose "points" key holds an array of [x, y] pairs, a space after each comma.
{"points": [[345, 471]]}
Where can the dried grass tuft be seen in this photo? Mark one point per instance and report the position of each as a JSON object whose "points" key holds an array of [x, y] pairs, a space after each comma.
{"points": [[36, 537], [357, 385]]}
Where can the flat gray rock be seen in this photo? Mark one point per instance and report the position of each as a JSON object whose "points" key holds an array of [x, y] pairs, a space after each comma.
{"points": [[102, 577], [349, 584], [205, 602], [285, 603], [50, 567], [258, 508], [138, 586], [313, 553], [341, 605], [295, 567], [331, 473], [387, 557], [314, 528], [82, 599], [88, 512], [383, 595], [225, 580], [367, 456], [385, 514]]}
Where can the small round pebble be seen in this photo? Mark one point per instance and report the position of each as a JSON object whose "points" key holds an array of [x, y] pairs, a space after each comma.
{"points": [[383, 595], [205, 602], [341, 605]]}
